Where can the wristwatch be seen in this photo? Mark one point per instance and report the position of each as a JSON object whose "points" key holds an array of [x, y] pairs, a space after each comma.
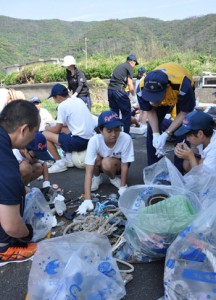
{"points": [[168, 132]]}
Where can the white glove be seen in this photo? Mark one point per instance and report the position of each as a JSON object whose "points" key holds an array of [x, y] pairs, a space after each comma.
{"points": [[162, 141], [135, 100], [84, 207], [155, 139], [122, 189], [159, 152], [74, 95]]}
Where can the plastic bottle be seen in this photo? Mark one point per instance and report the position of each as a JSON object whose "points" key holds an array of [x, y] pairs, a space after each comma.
{"points": [[60, 206]]}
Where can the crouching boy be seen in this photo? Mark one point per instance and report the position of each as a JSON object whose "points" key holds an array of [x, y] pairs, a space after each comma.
{"points": [[198, 128], [109, 152]]}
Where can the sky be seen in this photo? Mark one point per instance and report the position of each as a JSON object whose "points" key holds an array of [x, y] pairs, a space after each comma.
{"points": [[98, 10]]}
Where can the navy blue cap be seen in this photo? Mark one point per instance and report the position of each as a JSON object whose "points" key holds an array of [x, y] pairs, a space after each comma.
{"points": [[214, 93], [155, 85], [141, 70], [109, 119], [39, 146], [35, 100], [58, 89], [196, 120], [132, 57]]}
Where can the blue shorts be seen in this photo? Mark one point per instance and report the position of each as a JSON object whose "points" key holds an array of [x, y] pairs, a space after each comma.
{"points": [[71, 143]]}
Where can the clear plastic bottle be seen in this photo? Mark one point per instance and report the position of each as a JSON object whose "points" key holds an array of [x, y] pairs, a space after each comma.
{"points": [[60, 206]]}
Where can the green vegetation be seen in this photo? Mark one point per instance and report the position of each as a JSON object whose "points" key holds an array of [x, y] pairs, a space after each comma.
{"points": [[150, 39], [50, 105], [101, 68]]}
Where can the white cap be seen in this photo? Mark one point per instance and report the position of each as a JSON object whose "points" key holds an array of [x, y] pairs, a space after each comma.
{"points": [[68, 61]]}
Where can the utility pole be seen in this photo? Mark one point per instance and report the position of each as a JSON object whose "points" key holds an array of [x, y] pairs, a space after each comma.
{"points": [[86, 53]]}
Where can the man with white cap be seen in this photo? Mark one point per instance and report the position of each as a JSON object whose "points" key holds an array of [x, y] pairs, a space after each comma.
{"points": [[77, 82]]}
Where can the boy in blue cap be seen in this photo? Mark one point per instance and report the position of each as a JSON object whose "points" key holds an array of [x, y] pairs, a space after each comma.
{"points": [[32, 160], [109, 152], [198, 128]]}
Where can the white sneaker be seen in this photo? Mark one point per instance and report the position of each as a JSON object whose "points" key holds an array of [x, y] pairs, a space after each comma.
{"points": [[57, 168], [116, 182], [96, 182], [69, 163]]}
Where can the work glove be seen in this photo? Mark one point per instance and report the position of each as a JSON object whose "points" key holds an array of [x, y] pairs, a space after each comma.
{"points": [[74, 95], [87, 205], [122, 189], [159, 152], [155, 139], [161, 141]]}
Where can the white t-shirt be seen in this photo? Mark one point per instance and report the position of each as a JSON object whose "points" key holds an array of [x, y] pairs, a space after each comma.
{"points": [[46, 117], [74, 113], [18, 155], [209, 153], [123, 149]]}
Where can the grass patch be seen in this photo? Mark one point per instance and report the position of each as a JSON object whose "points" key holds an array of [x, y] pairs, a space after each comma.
{"points": [[50, 105]]}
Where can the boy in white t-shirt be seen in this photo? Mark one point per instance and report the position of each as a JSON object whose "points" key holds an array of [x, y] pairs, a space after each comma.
{"points": [[198, 128], [111, 152], [73, 113]]}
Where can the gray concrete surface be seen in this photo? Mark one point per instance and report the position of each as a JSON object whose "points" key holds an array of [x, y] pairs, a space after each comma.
{"points": [[147, 283]]}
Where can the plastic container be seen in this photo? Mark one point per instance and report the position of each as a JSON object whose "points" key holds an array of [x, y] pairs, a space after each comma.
{"points": [[60, 206]]}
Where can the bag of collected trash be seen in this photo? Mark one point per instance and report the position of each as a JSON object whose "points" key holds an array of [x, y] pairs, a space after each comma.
{"points": [[37, 213], [78, 159], [155, 214], [201, 181], [190, 267], [163, 172], [75, 266]]}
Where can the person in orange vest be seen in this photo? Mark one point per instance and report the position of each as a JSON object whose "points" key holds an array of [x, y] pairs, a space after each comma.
{"points": [[167, 85]]}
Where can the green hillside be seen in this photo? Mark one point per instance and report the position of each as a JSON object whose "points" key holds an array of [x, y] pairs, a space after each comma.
{"points": [[25, 40]]}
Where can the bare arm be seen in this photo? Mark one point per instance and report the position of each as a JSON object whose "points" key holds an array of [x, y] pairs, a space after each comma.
{"points": [[55, 129], [177, 122], [124, 173], [12, 222], [153, 120], [131, 87], [88, 181]]}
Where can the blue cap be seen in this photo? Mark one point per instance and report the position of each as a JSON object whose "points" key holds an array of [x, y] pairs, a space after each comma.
{"points": [[109, 119], [58, 89], [196, 120], [39, 146], [155, 85], [214, 93], [35, 100], [141, 70], [132, 57]]}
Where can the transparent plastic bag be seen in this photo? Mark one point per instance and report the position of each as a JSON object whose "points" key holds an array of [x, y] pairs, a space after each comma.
{"points": [[75, 266], [201, 181], [163, 172], [190, 267], [37, 213], [151, 229]]}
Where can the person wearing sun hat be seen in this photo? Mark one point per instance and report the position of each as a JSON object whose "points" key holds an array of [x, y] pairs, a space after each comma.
{"points": [[76, 79], [109, 152], [198, 127], [118, 98], [167, 85]]}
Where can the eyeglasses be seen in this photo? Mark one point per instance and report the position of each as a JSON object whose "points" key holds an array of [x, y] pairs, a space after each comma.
{"points": [[36, 103]]}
